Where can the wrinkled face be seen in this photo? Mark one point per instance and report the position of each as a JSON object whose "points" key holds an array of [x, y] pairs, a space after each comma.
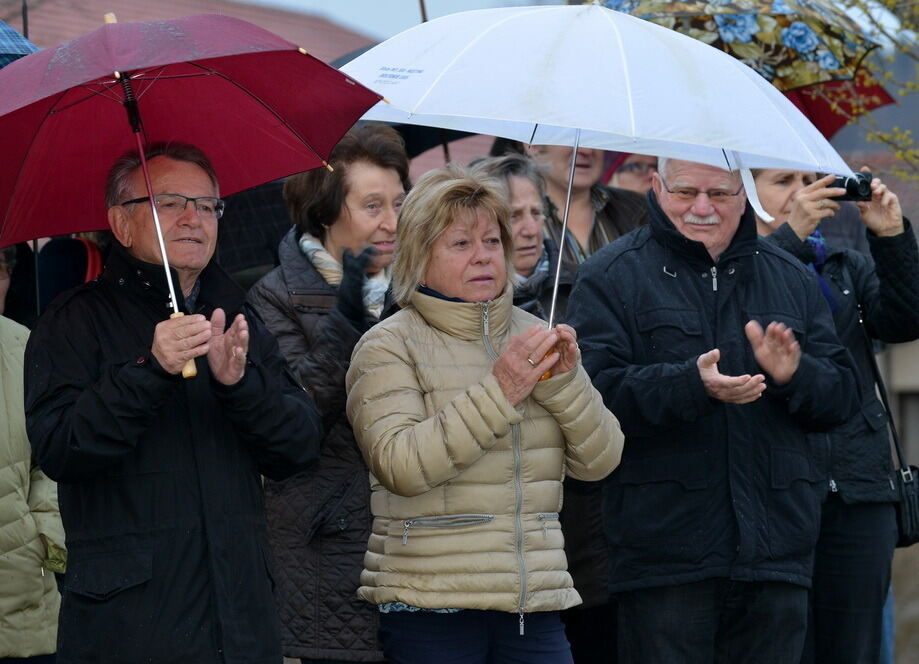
{"points": [[588, 166], [190, 238], [527, 220], [635, 173], [777, 189], [369, 214], [467, 260], [701, 217]]}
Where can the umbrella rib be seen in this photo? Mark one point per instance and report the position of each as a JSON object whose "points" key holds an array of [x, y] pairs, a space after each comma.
{"points": [[625, 71], [471, 43], [268, 108]]}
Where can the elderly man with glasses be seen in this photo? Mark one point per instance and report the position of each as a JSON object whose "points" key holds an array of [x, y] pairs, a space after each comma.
{"points": [[159, 477], [718, 355]]}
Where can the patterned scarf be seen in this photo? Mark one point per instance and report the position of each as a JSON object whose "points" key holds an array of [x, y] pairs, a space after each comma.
{"points": [[375, 286], [818, 244]]}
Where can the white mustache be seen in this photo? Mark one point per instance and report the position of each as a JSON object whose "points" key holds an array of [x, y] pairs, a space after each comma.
{"points": [[701, 221]]}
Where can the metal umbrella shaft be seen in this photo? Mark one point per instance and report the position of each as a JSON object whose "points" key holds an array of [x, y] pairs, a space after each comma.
{"points": [[563, 236], [130, 103]]}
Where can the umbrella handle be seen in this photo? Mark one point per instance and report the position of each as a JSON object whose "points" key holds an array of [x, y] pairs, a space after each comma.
{"points": [[189, 370], [548, 374]]}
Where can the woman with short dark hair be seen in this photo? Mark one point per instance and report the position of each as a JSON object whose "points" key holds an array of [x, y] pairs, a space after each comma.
{"points": [[330, 288]]}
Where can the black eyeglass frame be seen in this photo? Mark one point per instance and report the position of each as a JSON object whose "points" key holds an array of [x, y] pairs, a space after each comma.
{"points": [[219, 203], [707, 192]]}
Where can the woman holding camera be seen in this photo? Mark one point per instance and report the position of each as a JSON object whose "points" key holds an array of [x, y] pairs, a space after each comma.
{"points": [[871, 298]]}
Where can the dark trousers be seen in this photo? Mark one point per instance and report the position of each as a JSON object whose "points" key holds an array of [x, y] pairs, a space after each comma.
{"points": [[592, 633], [717, 620], [851, 579], [473, 637], [37, 659]]}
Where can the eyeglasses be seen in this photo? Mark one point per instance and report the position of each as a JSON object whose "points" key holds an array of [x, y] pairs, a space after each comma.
{"points": [[172, 205], [638, 167], [688, 194]]}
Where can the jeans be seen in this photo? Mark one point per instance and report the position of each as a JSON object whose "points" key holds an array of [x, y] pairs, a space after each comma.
{"points": [[851, 582], [716, 620], [473, 637], [37, 659]]}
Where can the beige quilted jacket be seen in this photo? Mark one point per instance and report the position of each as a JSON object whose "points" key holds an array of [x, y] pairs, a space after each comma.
{"points": [[31, 534], [466, 489]]}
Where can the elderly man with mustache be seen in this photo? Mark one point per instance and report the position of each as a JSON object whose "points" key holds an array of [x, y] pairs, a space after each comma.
{"points": [[718, 354]]}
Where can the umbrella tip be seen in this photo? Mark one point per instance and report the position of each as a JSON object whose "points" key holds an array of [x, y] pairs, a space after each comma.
{"points": [[328, 166], [109, 18], [303, 51]]}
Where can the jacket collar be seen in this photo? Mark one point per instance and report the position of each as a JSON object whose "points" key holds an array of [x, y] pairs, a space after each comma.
{"points": [[465, 320], [743, 243], [296, 268], [147, 281]]}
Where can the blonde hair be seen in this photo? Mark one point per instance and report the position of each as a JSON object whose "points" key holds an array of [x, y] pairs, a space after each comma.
{"points": [[433, 204]]}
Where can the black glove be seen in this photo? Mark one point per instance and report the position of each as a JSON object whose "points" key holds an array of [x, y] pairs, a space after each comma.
{"points": [[351, 289]]}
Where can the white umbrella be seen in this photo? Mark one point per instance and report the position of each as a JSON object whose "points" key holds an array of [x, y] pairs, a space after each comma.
{"points": [[588, 76], [539, 74]]}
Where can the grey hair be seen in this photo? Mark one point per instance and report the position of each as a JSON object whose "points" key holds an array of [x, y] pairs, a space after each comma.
{"points": [[118, 182], [512, 165]]}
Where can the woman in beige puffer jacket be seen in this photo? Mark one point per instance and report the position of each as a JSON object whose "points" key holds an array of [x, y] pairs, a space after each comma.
{"points": [[467, 448], [31, 534]]}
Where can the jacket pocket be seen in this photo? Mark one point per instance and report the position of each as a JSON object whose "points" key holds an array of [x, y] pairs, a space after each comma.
{"points": [[670, 335], [794, 504], [544, 518], [449, 521], [103, 576], [663, 499]]}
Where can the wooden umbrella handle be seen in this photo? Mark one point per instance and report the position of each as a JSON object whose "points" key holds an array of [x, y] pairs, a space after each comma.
{"points": [[189, 370], [548, 374]]}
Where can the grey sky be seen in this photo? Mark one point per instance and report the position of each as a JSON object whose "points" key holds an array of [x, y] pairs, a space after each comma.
{"points": [[384, 18]]}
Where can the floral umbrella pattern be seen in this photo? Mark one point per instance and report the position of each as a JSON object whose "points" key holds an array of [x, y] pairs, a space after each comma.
{"points": [[791, 43]]}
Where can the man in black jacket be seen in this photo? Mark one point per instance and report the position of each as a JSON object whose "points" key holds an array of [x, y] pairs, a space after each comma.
{"points": [[717, 354], [159, 476]]}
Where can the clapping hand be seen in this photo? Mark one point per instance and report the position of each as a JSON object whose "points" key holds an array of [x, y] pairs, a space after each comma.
{"points": [[729, 389], [178, 340], [776, 350], [227, 354]]}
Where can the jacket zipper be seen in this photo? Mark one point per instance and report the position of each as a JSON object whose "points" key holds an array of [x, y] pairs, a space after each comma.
{"points": [[714, 278], [545, 517], [518, 487], [452, 520], [829, 463]]}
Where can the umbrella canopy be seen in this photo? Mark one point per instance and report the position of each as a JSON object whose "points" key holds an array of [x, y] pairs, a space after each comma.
{"points": [[809, 49], [259, 108], [617, 82], [831, 105], [13, 45], [791, 43]]}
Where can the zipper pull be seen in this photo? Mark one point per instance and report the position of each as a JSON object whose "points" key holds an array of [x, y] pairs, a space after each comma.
{"points": [[485, 318], [833, 486], [714, 278], [521, 623], [545, 530], [43, 570], [405, 526]]}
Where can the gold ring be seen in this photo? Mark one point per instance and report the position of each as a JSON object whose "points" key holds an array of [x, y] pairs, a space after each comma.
{"points": [[530, 360], [234, 353]]}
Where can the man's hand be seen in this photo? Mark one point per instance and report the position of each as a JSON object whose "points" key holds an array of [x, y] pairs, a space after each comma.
{"points": [[729, 389], [227, 354], [776, 349], [177, 340]]}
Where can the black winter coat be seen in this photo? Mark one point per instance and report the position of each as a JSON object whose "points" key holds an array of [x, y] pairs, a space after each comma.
{"points": [[158, 477], [707, 489], [318, 520], [887, 288]]}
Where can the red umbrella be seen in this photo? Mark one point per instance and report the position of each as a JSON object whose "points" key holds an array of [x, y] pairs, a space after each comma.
{"points": [[259, 108], [833, 104]]}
